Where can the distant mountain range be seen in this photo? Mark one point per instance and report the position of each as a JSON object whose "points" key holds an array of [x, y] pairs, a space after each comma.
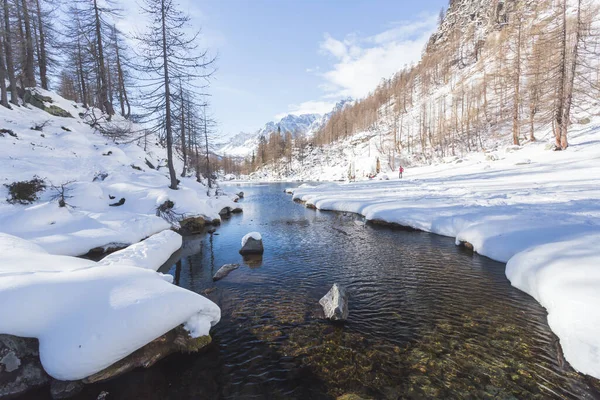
{"points": [[244, 143]]}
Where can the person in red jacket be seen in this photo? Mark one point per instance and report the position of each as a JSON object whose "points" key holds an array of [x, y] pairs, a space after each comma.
{"points": [[400, 171]]}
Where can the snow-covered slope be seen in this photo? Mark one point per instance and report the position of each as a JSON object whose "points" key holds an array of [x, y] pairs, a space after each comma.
{"points": [[537, 209], [89, 315], [96, 172]]}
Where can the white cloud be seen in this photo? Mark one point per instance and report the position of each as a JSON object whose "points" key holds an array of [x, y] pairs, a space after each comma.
{"points": [[308, 107], [361, 62]]}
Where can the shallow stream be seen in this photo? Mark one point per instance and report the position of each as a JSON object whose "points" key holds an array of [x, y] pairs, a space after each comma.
{"points": [[427, 318]]}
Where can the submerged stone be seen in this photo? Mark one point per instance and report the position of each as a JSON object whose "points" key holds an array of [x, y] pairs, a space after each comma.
{"points": [[176, 340], [65, 389], [225, 270]]}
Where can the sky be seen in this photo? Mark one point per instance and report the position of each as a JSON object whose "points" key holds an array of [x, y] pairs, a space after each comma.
{"points": [[276, 57]]}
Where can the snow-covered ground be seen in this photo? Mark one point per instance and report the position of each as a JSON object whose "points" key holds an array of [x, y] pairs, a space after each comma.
{"points": [[99, 172], [536, 209], [88, 315]]}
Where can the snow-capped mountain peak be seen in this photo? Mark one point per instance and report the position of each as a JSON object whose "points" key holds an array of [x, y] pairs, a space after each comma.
{"points": [[243, 144]]}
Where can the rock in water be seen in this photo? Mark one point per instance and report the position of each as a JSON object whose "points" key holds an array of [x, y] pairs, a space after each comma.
{"points": [[252, 244], [225, 270], [241, 195], [335, 303]]}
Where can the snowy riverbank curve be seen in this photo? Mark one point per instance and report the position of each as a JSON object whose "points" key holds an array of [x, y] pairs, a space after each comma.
{"points": [[536, 217], [89, 315]]}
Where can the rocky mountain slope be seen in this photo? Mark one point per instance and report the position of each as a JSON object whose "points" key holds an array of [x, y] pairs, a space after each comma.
{"points": [[460, 98]]}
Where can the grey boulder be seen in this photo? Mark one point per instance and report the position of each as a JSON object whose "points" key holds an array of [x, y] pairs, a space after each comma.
{"points": [[252, 246], [335, 303]]}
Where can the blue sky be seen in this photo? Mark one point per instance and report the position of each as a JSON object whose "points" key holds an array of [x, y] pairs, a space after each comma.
{"points": [[282, 56]]}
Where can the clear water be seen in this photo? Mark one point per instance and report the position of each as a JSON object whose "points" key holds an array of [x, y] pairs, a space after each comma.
{"points": [[427, 319]]}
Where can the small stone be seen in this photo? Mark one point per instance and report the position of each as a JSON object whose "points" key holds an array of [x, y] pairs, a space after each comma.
{"points": [[225, 211], [335, 303], [208, 291], [224, 271], [11, 361]]}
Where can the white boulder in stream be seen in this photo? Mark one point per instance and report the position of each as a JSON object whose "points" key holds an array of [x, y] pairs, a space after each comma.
{"points": [[252, 244], [335, 303]]}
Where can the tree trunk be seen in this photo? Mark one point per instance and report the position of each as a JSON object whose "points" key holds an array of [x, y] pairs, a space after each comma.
{"points": [[564, 143], [42, 54], [28, 70], [208, 173], [168, 122], [10, 68], [84, 94], [3, 94], [123, 100], [183, 149], [104, 101], [517, 83], [561, 79]]}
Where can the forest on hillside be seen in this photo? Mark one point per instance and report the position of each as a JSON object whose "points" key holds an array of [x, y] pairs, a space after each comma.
{"points": [[493, 72], [158, 79]]}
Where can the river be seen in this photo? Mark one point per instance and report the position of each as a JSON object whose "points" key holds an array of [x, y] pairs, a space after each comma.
{"points": [[427, 319]]}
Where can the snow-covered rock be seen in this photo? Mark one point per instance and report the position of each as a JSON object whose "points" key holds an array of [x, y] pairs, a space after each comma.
{"points": [[252, 244], [89, 315], [151, 254], [335, 303]]}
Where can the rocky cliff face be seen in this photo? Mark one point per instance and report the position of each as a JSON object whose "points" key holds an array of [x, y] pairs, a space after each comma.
{"points": [[474, 19]]}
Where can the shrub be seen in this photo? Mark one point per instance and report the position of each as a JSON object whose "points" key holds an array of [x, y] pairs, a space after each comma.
{"points": [[25, 192], [8, 132]]}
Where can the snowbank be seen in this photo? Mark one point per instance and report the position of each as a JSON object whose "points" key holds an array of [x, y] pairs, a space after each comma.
{"points": [[151, 254], [96, 172], [565, 278], [89, 315], [253, 235], [542, 217]]}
